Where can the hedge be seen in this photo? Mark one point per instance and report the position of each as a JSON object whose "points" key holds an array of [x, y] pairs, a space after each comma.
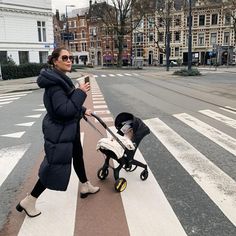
{"points": [[21, 71]]}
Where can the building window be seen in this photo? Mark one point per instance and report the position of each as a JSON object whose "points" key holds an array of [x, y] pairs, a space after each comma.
{"points": [[151, 23], [151, 37], [3, 57], [227, 19], [161, 22], [177, 22], [201, 20], [23, 57], [138, 37], [41, 31], [91, 44], [139, 52], [213, 38], [214, 19], [75, 34], [177, 51], [83, 34], [43, 57], [226, 38], [177, 36], [161, 37], [84, 47], [201, 39]]}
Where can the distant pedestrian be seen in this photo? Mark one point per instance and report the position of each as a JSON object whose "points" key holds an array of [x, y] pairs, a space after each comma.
{"points": [[61, 128]]}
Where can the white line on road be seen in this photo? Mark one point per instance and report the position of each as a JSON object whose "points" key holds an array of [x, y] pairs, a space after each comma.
{"points": [[8, 99], [9, 157], [26, 124], [3, 103], [222, 139], [224, 119], [155, 216], [220, 187], [13, 135], [58, 211], [34, 116]]}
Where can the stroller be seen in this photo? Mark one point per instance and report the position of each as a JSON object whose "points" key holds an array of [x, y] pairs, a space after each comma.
{"points": [[121, 147]]}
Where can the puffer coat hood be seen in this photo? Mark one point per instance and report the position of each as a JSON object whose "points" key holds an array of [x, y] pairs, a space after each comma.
{"points": [[64, 105]]}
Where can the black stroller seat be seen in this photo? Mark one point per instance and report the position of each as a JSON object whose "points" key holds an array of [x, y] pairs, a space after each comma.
{"points": [[130, 131]]}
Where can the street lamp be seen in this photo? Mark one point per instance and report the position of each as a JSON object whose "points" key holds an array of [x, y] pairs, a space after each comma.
{"points": [[67, 26], [190, 37]]}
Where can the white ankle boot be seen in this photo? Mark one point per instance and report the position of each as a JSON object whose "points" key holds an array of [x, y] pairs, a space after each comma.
{"points": [[87, 188], [28, 205]]}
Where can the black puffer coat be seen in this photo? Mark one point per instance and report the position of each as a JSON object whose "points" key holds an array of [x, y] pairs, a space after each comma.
{"points": [[64, 105]]}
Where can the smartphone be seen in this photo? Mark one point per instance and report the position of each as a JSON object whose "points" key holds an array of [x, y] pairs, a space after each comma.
{"points": [[86, 79]]}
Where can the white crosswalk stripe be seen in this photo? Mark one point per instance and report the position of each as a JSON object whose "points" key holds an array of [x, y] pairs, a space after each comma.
{"points": [[54, 205], [222, 139], [218, 186], [9, 157], [228, 121], [148, 196]]}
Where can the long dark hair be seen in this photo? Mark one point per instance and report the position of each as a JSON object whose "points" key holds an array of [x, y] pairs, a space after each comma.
{"points": [[54, 56]]}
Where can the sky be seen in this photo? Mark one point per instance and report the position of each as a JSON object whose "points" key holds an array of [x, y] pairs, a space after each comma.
{"points": [[61, 5]]}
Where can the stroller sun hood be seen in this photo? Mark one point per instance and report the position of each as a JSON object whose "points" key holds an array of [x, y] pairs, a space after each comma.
{"points": [[139, 128]]}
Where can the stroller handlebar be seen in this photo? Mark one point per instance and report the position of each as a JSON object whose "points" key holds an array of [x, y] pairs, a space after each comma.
{"points": [[105, 126]]}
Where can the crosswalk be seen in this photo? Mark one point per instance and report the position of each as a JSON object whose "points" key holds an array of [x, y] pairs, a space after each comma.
{"points": [[147, 208], [116, 75]]}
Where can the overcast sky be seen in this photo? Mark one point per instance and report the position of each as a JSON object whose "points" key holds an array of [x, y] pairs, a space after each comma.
{"points": [[61, 5]]}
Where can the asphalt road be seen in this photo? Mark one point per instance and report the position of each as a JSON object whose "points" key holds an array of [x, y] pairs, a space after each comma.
{"points": [[190, 153]]}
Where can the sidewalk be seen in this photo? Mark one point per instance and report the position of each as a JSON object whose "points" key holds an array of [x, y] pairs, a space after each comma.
{"points": [[26, 84]]}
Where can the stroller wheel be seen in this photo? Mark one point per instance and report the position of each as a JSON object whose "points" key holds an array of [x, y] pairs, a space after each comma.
{"points": [[102, 173], [144, 175], [120, 184]]}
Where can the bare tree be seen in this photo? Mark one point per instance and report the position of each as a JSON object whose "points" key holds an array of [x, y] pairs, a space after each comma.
{"points": [[121, 17]]}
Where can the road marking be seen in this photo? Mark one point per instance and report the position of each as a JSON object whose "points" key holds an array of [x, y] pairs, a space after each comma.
{"points": [[99, 102], [128, 74], [34, 116], [222, 139], [26, 124], [12, 96], [8, 99], [99, 106], [17, 93], [220, 187], [9, 157], [40, 109], [111, 75], [103, 76], [136, 74], [225, 109], [3, 103], [58, 211], [98, 99], [156, 215], [97, 95], [14, 135], [101, 112], [224, 119]]}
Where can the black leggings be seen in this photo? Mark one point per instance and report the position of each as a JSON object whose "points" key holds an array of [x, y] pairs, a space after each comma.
{"points": [[78, 164]]}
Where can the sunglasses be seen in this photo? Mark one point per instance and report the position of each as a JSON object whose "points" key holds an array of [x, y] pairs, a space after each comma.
{"points": [[66, 58]]}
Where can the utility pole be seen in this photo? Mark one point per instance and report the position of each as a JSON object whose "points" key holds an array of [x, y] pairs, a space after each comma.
{"points": [[168, 18], [67, 26], [190, 37]]}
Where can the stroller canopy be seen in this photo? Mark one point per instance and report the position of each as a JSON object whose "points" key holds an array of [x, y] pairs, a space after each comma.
{"points": [[140, 130]]}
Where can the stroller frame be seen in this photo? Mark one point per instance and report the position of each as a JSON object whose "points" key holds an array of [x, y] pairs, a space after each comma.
{"points": [[126, 162]]}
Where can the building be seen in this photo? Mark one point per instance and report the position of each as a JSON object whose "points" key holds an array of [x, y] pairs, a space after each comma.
{"points": [[26, 31], [213, 35]]}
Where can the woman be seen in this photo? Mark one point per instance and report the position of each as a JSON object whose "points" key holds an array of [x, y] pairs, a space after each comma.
{"points": [[61, 128]]}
